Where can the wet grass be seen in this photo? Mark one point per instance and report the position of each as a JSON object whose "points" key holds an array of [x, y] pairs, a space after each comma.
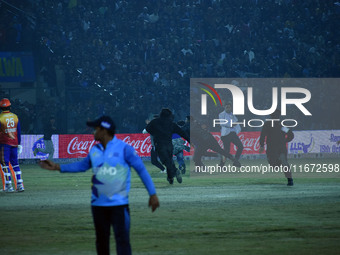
{"points": [[215, 215]]}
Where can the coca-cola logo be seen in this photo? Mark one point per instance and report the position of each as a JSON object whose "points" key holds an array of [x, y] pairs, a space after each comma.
{"points": [[140, 145], [250, 144], [79, 146]]}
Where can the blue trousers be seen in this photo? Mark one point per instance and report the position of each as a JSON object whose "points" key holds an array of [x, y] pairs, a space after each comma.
{"points": [[180, 159], [119, 218], [9, 154]]}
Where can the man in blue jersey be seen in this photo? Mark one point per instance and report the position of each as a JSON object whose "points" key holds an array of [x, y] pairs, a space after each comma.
{"points": [[110, 161]]}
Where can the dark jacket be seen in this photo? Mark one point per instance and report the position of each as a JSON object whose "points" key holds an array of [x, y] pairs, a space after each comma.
{"points": [[49, 130], [276, 139], [162, 129]]}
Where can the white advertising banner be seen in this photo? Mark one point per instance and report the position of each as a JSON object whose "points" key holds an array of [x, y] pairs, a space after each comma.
{"points": [[30, 142], [319, 141]]}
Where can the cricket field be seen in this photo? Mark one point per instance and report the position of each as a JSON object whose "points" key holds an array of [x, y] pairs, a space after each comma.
{"points": [[219, 213]]}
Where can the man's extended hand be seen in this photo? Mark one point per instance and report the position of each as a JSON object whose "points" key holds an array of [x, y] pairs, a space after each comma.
{"points": [[153, 202], [49, 165]]}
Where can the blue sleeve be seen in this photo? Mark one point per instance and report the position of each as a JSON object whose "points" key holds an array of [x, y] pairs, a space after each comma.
{"points": [[175, 135], [19, 133], [75, 167], [136, 162]]}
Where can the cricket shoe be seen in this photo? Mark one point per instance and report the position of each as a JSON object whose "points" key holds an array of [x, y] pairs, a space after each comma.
{"points": [[9, 189], [163, 171], [170, 180], [178, 176], [20, 188]]}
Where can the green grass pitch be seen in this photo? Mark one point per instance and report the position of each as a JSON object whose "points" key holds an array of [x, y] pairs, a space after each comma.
{"points": [[237, 213]]}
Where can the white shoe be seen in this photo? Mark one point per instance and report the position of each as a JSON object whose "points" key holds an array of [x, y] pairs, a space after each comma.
{"points": [[20, 188], [9, 188], [163, 172]]}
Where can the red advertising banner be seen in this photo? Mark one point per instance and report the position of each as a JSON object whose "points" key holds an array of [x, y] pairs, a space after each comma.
{"points": [[141, 142], [75, 146], [78, 146]]}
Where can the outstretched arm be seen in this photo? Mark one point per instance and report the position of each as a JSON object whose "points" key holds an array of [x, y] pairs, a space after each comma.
{"points": [[49, 165], [75, 167]]}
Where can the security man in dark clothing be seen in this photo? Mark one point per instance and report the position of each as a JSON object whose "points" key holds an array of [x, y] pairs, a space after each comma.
{"points": [[153, 153], [277, 138], [162, 129], [203, 140]]}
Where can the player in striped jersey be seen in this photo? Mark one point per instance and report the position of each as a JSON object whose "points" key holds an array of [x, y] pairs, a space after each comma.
{"points": [[10, 139]]}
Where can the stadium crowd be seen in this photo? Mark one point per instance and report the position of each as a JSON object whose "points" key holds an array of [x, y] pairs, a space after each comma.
{"points": [[131, 58]]}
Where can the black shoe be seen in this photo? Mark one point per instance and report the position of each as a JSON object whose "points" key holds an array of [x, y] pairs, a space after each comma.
{"points": [[178, 176], [237, 163], [290, 182], [170, 180]]}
